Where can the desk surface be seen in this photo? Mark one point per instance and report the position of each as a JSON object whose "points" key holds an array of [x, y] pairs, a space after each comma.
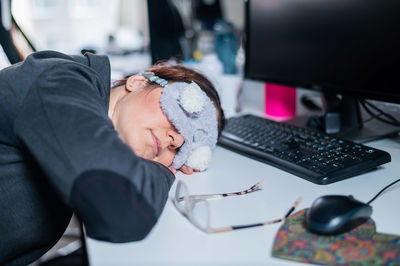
{"points": [[175, 241]]}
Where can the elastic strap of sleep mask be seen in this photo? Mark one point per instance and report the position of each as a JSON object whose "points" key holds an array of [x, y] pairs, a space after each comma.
{"points": [[153, 78]]}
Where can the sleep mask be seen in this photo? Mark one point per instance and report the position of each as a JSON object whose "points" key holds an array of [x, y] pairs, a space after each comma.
{"points": [[194, 115]]}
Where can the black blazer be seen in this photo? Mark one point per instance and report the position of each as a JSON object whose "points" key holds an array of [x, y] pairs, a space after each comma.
{"points": [[60, 153]]}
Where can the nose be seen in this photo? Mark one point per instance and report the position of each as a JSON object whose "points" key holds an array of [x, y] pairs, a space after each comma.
{"points": [[175, 139]]}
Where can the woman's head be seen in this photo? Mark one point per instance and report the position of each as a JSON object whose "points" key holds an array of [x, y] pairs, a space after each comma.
{"points": [[137, 115]]}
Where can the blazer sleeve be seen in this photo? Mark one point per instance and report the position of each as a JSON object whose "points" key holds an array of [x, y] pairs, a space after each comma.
{"points": [[64, 127]]}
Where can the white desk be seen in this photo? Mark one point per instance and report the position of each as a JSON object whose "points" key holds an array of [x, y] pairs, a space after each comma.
{"points": [[175, 241]]}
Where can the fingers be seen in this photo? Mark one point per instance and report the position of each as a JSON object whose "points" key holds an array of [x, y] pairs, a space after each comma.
{"points": [[186, 170]]}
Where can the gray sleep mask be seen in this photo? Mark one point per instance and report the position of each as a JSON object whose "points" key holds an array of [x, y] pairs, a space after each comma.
{"points": [[193, 114]]}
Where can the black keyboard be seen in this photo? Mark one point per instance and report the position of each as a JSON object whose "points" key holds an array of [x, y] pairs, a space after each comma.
{"points": [[307, 153]]}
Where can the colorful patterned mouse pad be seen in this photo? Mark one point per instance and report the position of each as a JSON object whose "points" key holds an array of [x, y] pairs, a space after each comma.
{"points": [[361, 246]]}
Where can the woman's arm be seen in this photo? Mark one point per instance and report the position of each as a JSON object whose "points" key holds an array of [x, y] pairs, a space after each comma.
{"points": [[64, 126]]}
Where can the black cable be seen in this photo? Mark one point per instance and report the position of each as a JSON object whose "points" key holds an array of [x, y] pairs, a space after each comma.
{"points": [[392, 120], [309, 103], [380, 192], [380, 118]]}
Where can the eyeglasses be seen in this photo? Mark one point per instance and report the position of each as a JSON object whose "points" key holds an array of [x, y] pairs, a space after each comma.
{"points": [[196, 209]]}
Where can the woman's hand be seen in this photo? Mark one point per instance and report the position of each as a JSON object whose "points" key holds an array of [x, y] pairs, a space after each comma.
{"points": [[187, 170], [184, 169]]}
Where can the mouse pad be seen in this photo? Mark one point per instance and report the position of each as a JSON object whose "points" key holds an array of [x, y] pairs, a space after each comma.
{"points": [[360, 246]]}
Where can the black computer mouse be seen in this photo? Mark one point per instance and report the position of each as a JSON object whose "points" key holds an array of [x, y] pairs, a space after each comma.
{"points": [[335, 214]]}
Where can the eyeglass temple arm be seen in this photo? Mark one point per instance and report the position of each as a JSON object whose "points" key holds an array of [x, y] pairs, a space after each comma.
{"points": [[253, 188], [237, 227]]}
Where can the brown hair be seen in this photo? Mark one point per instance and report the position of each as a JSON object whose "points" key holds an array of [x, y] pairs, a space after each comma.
{"points": [[180, 73]]}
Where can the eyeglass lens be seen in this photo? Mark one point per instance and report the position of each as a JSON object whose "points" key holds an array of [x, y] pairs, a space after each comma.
{"points": [[200, 214], [181, 195]]}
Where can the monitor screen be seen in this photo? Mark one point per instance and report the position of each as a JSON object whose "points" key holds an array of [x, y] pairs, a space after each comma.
{"points": [[348, 47]]}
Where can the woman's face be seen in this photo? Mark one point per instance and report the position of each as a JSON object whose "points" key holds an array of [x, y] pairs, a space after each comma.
{"points": [[141, 124]]}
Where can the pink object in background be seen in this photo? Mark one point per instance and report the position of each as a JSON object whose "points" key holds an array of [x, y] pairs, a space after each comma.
{"points": [[280, 101]]}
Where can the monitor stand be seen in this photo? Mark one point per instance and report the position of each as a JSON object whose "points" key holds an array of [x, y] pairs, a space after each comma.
{"points": [[342, 117]]}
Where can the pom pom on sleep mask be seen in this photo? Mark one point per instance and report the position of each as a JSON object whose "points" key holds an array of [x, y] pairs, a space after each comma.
{"points": [[193, 114]]}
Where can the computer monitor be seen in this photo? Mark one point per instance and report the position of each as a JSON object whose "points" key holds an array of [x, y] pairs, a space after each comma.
{"points": [[166, 31], [351, 48]]}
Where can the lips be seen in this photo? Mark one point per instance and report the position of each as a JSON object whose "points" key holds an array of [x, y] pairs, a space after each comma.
{"points": [[157, 148]]}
